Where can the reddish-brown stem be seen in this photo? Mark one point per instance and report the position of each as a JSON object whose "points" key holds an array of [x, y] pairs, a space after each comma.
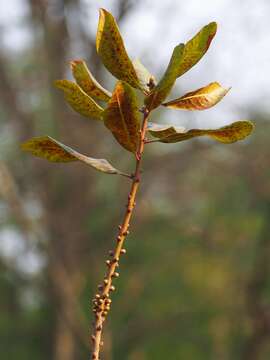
{"points": [[102, 299]]}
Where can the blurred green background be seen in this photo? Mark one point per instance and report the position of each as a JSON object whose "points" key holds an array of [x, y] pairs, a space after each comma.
{"points": [[195, 283]]}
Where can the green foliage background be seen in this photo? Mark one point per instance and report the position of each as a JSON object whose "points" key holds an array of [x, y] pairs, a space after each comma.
{"points": [[195, 282]]}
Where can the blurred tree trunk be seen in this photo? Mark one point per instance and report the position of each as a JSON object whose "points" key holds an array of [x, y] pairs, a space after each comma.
{"points": [[66, 247]]}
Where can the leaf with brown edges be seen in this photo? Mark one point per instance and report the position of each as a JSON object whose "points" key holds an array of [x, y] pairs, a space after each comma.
{"points": [[226, 134], [111, 49], [79, 100], [87, 82], [121, 116], [201, 99], [54, 151]]}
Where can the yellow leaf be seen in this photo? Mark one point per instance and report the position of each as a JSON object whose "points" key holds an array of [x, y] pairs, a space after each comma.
{"points": [[111, 49], [122, 117], [201, 99], [79, 100], [226, 134], [47, 148], [54, 151], [87, 82]]}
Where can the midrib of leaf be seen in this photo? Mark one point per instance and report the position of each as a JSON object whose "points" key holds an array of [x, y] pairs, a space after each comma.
{"points": [[207, 95], [197, 96], [123, 117]]}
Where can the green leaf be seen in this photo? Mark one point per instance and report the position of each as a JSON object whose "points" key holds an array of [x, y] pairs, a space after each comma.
{"points": [[226, 134], [111, 49], [163, 88], [146, 79], [52, 150], [183, 58], [200, 99], [122, 117], [87, 82], [197, 47], [79, 100]]}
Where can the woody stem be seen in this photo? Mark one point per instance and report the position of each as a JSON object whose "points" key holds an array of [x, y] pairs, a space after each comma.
{"points": [[102, 299]]}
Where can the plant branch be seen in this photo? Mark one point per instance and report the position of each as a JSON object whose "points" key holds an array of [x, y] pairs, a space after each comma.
{"points": [[102, 301], [130, 176]]}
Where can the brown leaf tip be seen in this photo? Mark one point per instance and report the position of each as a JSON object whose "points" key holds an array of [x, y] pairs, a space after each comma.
{"points": [[74, 63], [102, 13]]}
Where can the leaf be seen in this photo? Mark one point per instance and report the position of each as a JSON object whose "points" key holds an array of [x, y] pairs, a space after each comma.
{"points": [[163, 88], [111, 49], [183, 58], [79, 100], [197, 47], [161, 131], [201, 99], [122, 116], [146, 79], [87, 82], [226, 134], [52, 150]]}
